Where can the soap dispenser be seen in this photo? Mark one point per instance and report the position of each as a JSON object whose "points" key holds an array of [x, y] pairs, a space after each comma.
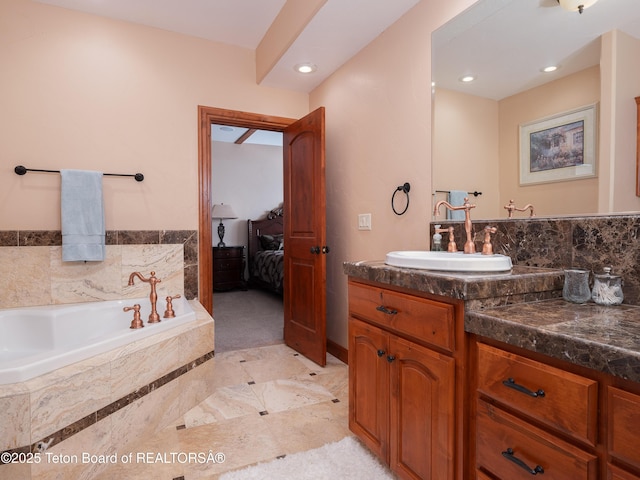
{"points": [[607, 288], [437, 240]]}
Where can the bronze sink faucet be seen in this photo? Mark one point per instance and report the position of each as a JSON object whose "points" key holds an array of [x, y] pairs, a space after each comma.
{"points": [[510, 207], [153, 296], [469, 246]]}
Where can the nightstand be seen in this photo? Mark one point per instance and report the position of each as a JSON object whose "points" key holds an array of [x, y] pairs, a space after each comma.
{"points": [[228, 268]]}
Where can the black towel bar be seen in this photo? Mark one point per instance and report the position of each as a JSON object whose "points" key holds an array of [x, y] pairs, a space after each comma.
{"points": [[20, 170], [475, 194]]}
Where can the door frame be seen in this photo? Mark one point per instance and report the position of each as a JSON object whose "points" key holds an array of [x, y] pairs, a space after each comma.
{"points": [[207, 116]]}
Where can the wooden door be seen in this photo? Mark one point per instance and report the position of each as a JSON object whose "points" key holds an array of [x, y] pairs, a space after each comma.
{"points": [[369, 386], [305, 245], [422, 411]]}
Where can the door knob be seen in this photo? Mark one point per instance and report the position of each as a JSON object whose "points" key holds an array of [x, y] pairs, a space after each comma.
{"points": [[325, 249], [315, 250]]}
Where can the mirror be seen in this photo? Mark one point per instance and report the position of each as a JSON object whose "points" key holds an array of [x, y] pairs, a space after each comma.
{"points": [[477, 125]]}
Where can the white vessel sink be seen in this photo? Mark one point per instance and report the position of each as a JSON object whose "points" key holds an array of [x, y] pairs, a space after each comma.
{"points": [[449, 261]]}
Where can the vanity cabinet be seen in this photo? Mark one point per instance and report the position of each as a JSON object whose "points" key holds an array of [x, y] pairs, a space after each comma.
{"points": [[402, 379], [514, 395], [532, 412]]}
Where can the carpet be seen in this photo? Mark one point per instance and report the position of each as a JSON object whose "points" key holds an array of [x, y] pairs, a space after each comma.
{"points": [[247, 319], [344, 460]]}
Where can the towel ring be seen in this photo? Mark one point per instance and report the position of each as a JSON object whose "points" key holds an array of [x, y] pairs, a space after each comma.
{"points": [[402, 188]]}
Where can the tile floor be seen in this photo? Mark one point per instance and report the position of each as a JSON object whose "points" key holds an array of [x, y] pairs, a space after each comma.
{"points": [[266, 402]]}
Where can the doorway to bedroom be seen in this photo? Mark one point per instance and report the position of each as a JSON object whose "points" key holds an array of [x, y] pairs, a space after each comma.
{"points": [[247, 176]]}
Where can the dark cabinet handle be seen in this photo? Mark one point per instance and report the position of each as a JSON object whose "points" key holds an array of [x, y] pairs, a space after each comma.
{"points": [[315, 250], [383, 309], [325, 249], [381, 353], [390, 358], [508, 454], [511, 383]]}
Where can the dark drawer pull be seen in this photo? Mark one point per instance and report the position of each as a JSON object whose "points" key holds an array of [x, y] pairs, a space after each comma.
{"points": [[511, 383], [384, 309], [533, 471], [380, 353], [390, 358]]}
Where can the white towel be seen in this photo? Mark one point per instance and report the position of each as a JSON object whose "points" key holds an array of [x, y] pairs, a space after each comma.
{"points": [[82, 215], [456, 199]]}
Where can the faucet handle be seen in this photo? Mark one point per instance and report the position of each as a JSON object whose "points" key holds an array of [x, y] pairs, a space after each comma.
{"points": [[169, 313], [137, 321], [487, 248], [451, 246]]}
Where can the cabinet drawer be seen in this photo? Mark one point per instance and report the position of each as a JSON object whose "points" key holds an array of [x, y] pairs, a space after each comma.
{"points": [[481, 476], [425, 321], [228, 264], [227, 252], [624, 426], [568, 402], [615, 473], [510, 448]]}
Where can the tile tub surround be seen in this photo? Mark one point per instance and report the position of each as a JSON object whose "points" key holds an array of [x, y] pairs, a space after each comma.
{"points": [[34, 274], [589, 242], [116, 396], [606, 339]]}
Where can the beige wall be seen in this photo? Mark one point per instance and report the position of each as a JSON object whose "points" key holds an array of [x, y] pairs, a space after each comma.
{"points": [[378, 121], [466, 149], [80, 91], [88, 92]]}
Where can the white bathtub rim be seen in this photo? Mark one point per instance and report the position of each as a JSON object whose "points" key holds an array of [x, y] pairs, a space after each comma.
{"points": [[13, 373]]}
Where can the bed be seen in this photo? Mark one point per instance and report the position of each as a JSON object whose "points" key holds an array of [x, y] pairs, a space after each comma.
{"points": [[265, 252]]}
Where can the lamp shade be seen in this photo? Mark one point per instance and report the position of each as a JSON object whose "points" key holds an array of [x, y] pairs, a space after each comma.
{"points": [[576, 5], [222, 211]]}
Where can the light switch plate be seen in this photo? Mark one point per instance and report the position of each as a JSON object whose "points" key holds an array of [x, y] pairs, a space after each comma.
{"points": [[364, 221]]}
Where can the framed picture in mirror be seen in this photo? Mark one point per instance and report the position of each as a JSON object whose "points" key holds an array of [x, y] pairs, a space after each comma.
{"points": [[560, 147]]}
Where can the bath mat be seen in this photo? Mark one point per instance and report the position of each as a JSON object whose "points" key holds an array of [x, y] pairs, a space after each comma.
{"points": [[347, 459]]}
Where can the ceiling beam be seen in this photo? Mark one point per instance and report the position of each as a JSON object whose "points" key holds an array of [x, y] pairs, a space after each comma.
{"points": [[243, 138], [285, 29]]}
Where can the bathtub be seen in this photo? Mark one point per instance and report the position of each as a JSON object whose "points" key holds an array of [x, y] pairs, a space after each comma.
{"points": [[38, 340]]}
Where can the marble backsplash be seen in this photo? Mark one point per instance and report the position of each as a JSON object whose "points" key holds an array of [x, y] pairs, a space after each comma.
{"points": [[33, 272], [589, 242]]}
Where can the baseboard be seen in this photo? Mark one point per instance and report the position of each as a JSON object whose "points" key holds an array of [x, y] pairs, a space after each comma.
{"points": [[338, 351]]}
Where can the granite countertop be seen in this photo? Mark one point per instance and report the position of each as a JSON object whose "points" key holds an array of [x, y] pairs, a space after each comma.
{"points": [[602, 338], [524, 308], [520, 281]]}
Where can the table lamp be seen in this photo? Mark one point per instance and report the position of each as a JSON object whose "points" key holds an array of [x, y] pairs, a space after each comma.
{"points": [[222, 212]]}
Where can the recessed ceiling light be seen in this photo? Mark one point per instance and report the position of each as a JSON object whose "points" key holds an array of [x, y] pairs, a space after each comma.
{"points": [[305, 68], [226, 129], [467, 79], [549, 69]]}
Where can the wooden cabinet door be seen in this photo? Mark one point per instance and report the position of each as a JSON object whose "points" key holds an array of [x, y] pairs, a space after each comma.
{"points": [[369, 386], [422, 411]]}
